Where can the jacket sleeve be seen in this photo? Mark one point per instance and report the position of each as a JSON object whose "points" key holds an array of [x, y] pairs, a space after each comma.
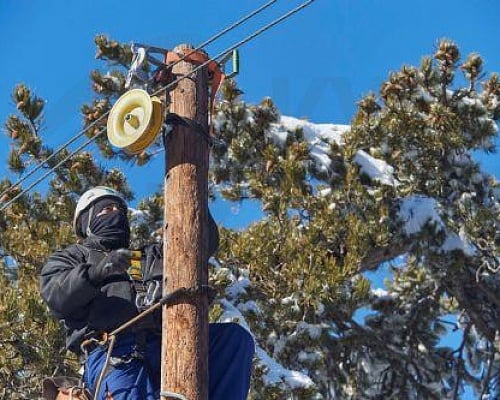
{"points": [[64, 282]]}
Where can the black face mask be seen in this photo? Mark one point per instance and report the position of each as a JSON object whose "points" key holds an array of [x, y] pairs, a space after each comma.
{"points": [[110, 231]]}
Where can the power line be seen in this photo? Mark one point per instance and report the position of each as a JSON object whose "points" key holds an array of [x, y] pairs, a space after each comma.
{"points": [[73, 139], [82, 132], [52, 169], [224, 31], [225, 52], [164, 88]]}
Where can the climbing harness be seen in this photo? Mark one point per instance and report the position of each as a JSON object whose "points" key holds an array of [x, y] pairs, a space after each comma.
{"points": [[169, 299], [146, 298]]}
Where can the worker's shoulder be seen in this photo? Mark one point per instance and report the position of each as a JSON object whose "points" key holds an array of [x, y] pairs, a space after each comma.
{"points": [[75, 250], [71, 255]]}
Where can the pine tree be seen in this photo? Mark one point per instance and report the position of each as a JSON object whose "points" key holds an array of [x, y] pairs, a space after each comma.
{"points": [[298, 277], [323, 229]]}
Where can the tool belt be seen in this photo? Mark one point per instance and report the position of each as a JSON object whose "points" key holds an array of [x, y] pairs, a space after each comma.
{"points": [[64, 388]]}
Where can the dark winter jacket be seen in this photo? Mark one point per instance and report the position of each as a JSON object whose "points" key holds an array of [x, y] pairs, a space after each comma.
{"points": [[88, 309]]}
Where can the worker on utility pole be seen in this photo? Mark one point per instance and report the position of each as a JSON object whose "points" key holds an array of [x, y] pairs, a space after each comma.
{"points": [[93, 288]]}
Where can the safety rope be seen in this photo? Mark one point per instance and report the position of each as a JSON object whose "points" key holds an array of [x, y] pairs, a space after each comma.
{"points": [[111, 344]]}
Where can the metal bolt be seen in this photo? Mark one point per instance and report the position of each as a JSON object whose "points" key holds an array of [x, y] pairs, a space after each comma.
{"points": [[132, 120]]}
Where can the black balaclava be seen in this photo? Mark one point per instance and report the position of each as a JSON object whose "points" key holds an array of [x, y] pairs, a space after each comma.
{"points": [[108, 231]]}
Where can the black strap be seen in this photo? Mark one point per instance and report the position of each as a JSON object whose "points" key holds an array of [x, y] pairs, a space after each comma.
{"points": [[175, 119]]}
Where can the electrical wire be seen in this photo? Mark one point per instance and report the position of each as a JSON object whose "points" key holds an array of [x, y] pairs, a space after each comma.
{"points": [[224, 31], [221, 55], [41, 165], [82, 132], [225, 52], [40, 179]]}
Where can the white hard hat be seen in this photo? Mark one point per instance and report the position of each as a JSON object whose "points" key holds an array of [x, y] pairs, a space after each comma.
{"points": [[90, 197]]}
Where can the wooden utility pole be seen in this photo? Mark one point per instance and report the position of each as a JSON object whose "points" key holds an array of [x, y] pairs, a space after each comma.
{"points": [[185, 325]]}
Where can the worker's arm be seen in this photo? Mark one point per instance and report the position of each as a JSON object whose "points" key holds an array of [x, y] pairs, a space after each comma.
{"points": [[65, 283]]}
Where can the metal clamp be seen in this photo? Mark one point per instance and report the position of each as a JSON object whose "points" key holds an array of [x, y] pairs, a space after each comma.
{"points": [[172, 395], [147, 299], [138, 76]]}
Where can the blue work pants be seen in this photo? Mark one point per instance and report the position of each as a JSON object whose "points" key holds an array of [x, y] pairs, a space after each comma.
{"points": [[133, 377]]}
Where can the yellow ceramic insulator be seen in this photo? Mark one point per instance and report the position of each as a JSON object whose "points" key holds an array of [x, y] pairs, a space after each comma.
{"points": [[135, 121]]}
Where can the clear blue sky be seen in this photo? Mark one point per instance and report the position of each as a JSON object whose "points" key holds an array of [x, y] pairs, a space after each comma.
{"points": [[317, 64]]}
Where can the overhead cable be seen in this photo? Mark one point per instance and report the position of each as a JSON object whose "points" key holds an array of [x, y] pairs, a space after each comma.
{"points": [[226, 30], [51, 156], [40, 179], [82, 132], [227, 51], [219, 56]]}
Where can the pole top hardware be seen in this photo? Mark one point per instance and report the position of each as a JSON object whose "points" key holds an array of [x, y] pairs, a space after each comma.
{"points": [[135, 121], [143, 54], [136, 118], [139, 75], [234, 56]]}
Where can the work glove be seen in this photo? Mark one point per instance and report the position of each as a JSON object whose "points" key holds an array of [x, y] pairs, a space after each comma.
{"points": [[114, 265]]}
